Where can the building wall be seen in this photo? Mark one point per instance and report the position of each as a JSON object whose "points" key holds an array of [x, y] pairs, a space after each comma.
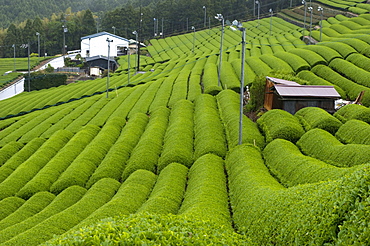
{"points": [[99, 46]]}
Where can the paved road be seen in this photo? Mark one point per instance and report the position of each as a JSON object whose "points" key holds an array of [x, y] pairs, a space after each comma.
{"points": [[56, 62]]}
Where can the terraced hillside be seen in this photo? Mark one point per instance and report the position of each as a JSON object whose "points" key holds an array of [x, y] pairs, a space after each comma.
{"points": [[160, 154]]}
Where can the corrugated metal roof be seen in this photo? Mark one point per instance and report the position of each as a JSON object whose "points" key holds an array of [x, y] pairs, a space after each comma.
{"points": [[104, 33], [282, 81], [307, 91], [93, 58]]}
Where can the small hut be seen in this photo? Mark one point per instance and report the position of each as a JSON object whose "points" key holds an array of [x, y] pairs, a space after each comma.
{"points": [[291, 96]]}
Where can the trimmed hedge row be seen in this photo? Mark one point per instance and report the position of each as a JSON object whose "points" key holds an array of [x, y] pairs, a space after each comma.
{"points": [[276, 63], [313, 117], [351, 88], [133, 192], [322, 145], [278, 123], [20, 157], [286, 162], [97, 196], [210, 79], [84, 165], [296, 62], [8, 151], [311, 57], [319, 213], [44, 179], [28, 169], [354, 132], [229, 79], [353, 112], [115, 161], [257, 65], [359, 60], [249, 74], [9, 205], [164, 93], [194, 87], [343, 49], [146, 153], [168, 192], [351, 71], [208, 129], [180, 88], [61, 202], [179, 138], [206, 195], [32, 206], [228, 104]]}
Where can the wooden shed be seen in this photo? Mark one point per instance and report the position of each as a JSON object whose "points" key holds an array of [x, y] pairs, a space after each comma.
{"points": [[291, 96]]}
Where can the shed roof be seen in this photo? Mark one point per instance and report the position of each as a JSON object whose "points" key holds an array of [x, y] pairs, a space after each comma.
{"points": [[93, 58], [102, 34], [307, 91], [281, 81]]}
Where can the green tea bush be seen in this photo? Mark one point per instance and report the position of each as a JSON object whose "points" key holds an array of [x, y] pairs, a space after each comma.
{"points": [[84, 165], [164, 92], [130, 196], [311, 57], [278, 123], [9, 205], [249, 74], [168, 192], [114, 162], [44, 179], [354, 132], [351, 88], [353, 112], [146, 153], [304, 214], [359, 60], [64, 200], [32, 206], [208, 128], [151, 229], [180, 88], [313, 79], [258, 66], [8, 151], [286, 162], [229, 79], [20, 157], [296, 62], [179, 138], [194, 86], [351, 71], [206, 194], [343, 49], [228, 104], [355, 43], [276, 63], [97, 196], [322, 145], [313, 117], [210, 79], [29, 168], [358, 10]]}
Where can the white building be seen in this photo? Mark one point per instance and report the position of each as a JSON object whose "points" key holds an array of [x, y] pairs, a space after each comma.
{"points": [[96, 44]]}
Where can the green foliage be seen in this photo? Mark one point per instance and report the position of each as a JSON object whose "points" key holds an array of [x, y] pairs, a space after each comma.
{"points": [[40, 81], [354, 132], [228, 104], [322, 145], [146, 153], [168, 192], [353, 112], [343, 49], [351, 71], [278, 123], [9, 205], [311, 57], [292, 168], [359, 60], [276, 63], [179, 138], [64, 200], [151, 229], [229, 79], [208, 129], [313, 117], [296, 62], [97, 196], [210, 78], [206, 195], [8, 151]]}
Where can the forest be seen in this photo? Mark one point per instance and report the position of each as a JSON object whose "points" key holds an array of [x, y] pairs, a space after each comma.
{"points": [[81, 18]]}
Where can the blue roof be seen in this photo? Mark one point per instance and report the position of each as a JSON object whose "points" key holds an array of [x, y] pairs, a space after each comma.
{"points": [[103, 33]]}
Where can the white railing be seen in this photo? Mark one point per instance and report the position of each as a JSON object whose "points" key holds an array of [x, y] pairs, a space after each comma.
{"points": [[12, 90]]}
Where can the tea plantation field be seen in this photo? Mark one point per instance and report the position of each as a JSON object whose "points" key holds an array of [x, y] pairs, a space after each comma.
{"points": [[158, 160]]}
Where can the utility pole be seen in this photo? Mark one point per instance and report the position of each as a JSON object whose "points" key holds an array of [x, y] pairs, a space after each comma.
{"points": [[109, 41]]}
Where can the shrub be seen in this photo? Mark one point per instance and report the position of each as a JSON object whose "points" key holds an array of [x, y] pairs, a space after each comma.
{"points": [[353, 112], [229, 106], [153, 229], [278, 123], [178, 140], [164, 92], [343, 49], [359, 60], [351, 71], [9, 205], [354, 132], [194, 86], [115, 161], [297, 63], [210, 79], [180, 87], [98, 195], [208, 129], [257, 65], [313, 117], [311, 57], [292, 168], [40, 81], [249, 75], [276, 63], [168, 192], [322, 145], [229, 78], [8, 151], [206, 195]]}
